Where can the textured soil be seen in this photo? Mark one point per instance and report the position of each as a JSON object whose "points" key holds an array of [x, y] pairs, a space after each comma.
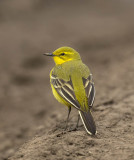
{"points": [[31, 121]]}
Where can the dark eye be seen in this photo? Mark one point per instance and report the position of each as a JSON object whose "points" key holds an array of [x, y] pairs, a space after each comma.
{"points": [[62, 54]]}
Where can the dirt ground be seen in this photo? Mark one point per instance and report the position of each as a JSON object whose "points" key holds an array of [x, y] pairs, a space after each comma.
{"points": [[31, 120]]}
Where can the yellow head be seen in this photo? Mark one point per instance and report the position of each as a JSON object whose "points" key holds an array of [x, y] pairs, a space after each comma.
{"points": [[64, 54]]}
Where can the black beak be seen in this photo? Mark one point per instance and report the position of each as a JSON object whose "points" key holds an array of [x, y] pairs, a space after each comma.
{"points": [[48, 54]]}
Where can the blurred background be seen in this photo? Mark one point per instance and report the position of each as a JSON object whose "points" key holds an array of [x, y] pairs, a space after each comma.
{"points": [[101, 31]]}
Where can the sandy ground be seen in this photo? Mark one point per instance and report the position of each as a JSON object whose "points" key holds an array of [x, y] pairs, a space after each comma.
{"points": [[31, 120]]}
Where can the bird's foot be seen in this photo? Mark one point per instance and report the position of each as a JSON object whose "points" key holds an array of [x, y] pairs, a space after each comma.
{"points": [[71, 129]]}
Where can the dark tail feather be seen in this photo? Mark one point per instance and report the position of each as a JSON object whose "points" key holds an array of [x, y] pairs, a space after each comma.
{"points": [[88, 121]]}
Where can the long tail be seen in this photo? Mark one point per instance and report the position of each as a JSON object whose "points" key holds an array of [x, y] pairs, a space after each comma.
{"points": [[88, 121]]}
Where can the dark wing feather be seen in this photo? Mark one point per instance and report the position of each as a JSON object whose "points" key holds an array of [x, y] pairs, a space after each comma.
{"points": [[89, 89], [65, 90]]}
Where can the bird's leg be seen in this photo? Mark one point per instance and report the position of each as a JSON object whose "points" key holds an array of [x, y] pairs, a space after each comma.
{"points": [[74, 129], [69, 110], [77, 121]]}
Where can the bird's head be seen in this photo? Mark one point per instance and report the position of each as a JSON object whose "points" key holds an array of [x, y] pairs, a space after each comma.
{"points": [[64, 54]]}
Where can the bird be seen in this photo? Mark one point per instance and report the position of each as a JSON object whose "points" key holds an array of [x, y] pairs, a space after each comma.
{"points": [[72, 85]]}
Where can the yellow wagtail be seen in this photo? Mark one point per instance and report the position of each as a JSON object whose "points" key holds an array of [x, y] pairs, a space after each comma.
{"points": [[72, 85]]}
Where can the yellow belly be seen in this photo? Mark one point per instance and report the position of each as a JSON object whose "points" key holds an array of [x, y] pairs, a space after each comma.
{"points": [[58, 97]]}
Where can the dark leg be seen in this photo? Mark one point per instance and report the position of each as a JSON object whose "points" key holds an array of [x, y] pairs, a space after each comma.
{"points": [[69, 110], [74, 129], [78, 121]]}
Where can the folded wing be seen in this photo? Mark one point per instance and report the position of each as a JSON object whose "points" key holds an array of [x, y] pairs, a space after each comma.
{"points": [[89, 89], [65, 90]]}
